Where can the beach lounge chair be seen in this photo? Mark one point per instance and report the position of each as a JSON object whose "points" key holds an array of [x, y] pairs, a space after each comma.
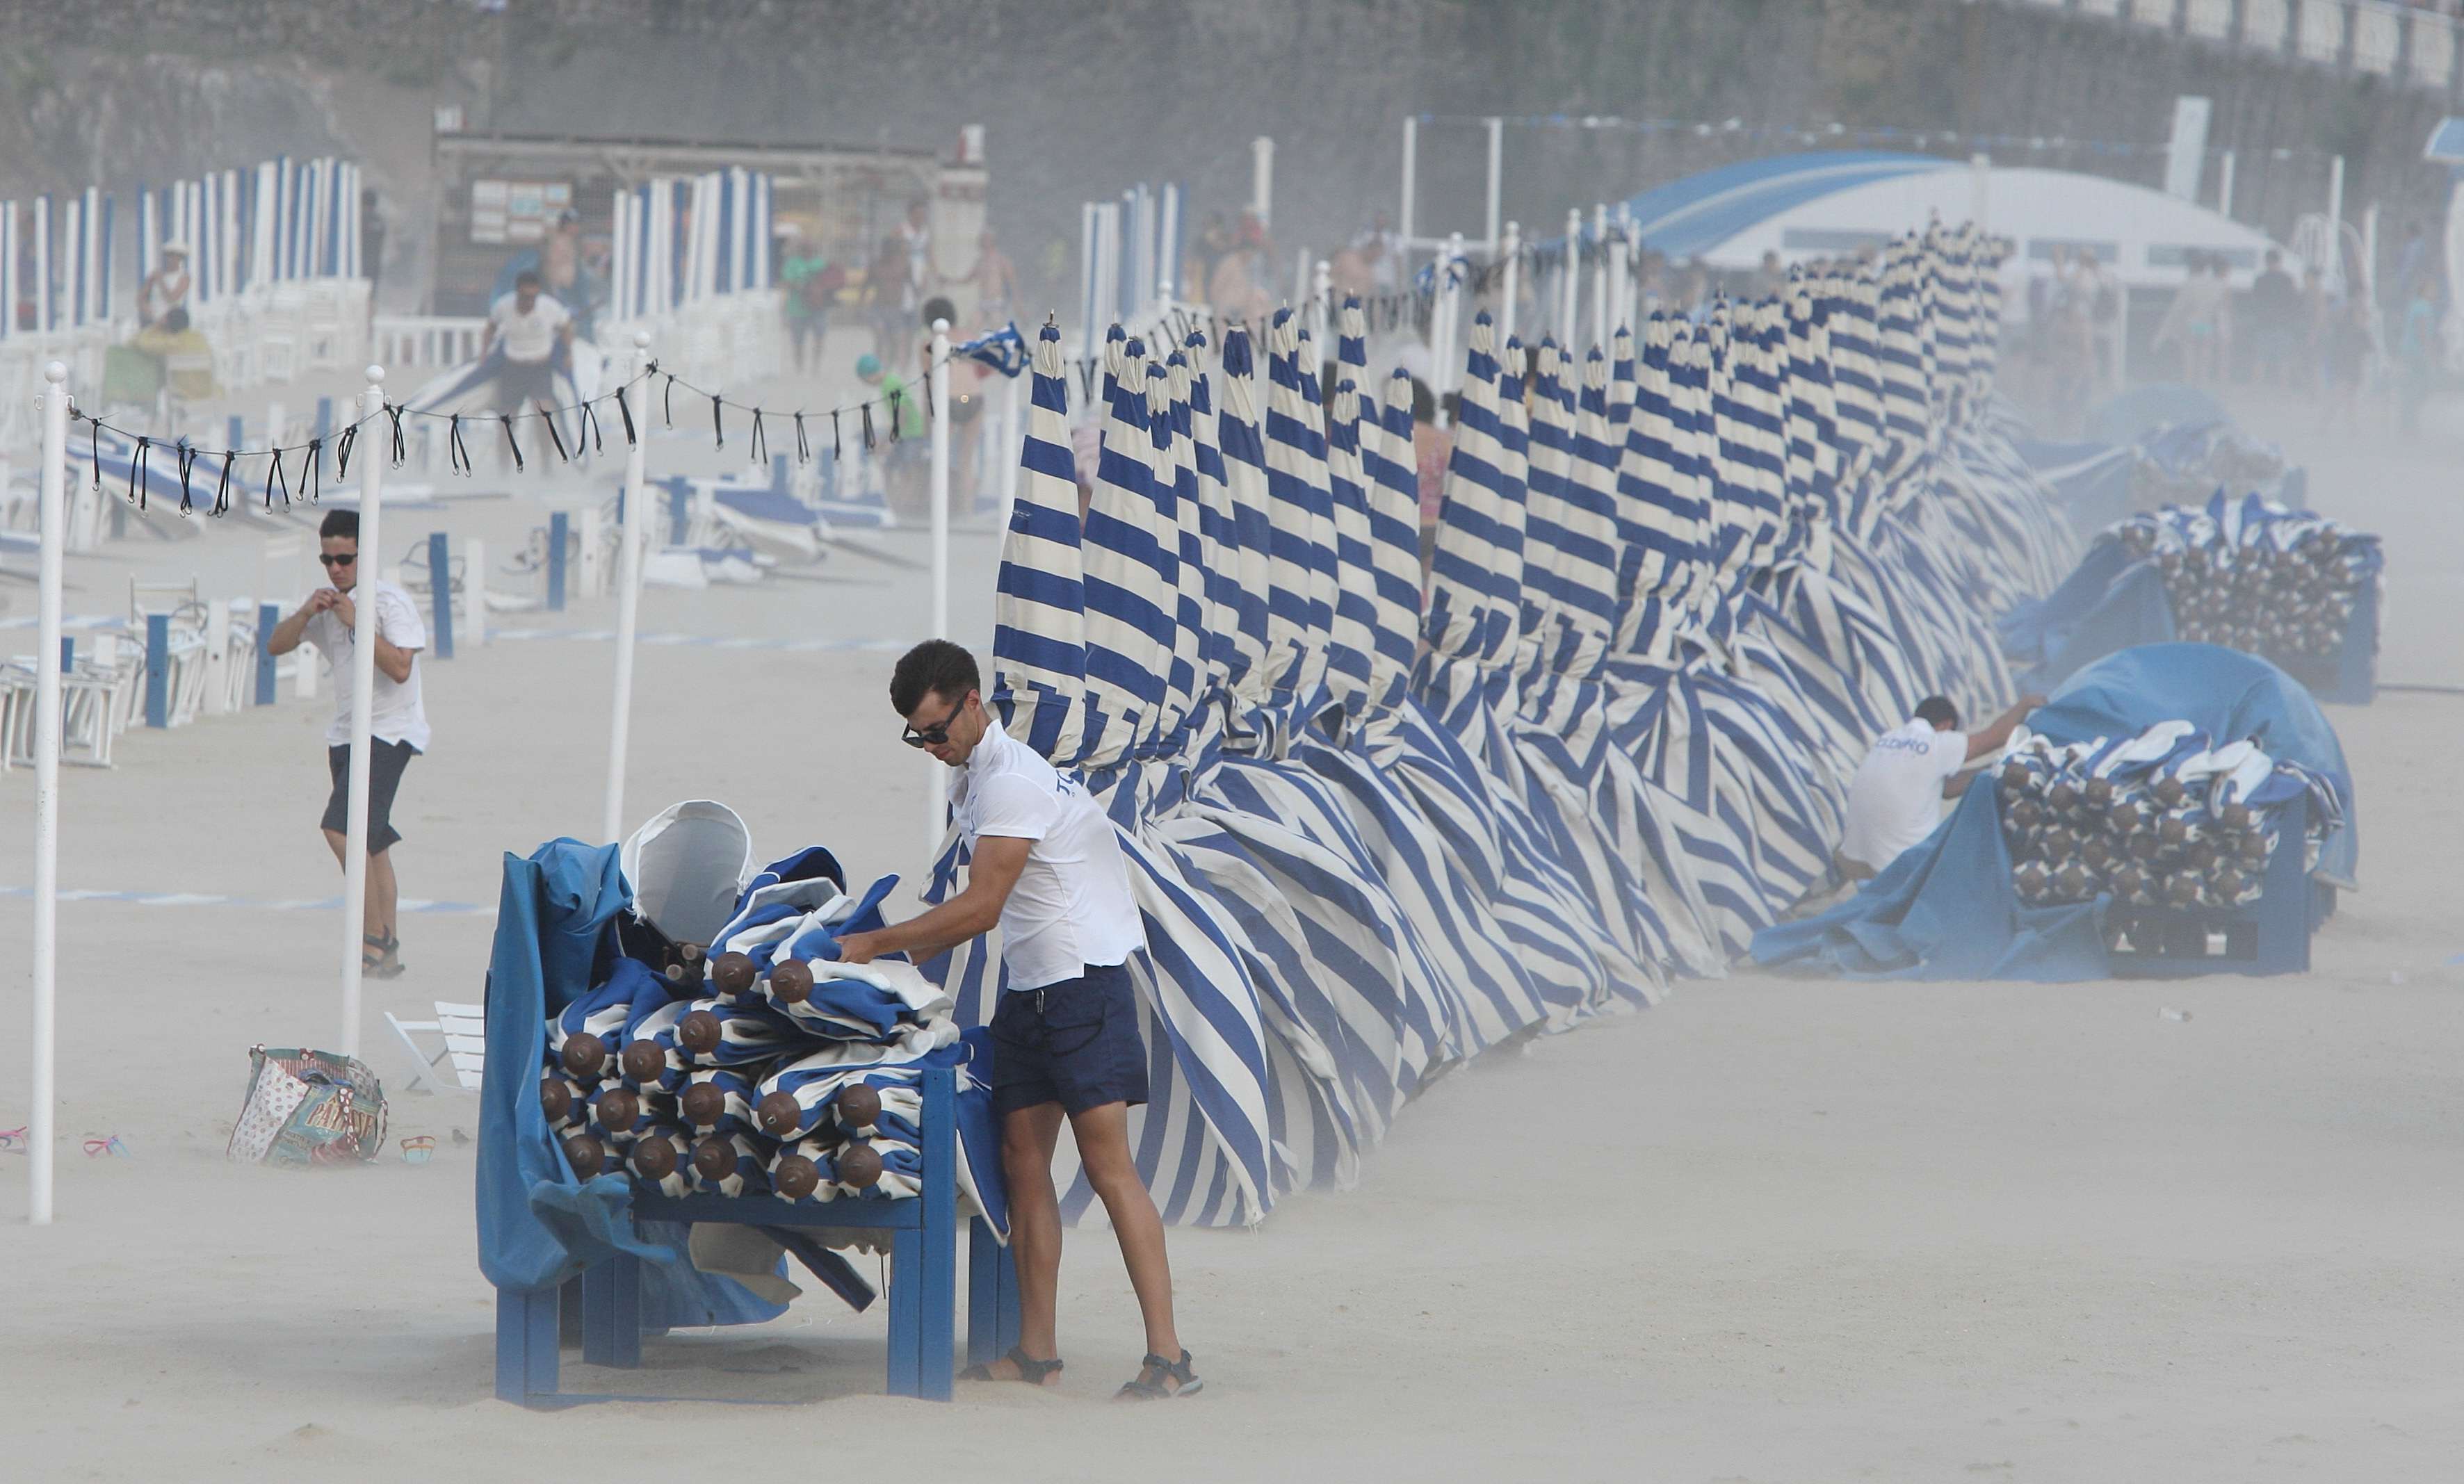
{"points": [[464, 1031]]}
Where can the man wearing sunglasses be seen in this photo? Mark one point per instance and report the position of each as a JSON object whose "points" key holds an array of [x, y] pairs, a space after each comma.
{"points": [[1045, 867], [397, 723]]}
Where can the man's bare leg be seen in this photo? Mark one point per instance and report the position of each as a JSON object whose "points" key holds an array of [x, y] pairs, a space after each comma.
{"points": [[1103, 1149], [1028, 1138], [381, 898], [379, 892]]}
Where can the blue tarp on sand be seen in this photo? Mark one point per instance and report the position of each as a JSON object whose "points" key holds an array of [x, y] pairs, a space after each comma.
{"points": [[1946, 909]]}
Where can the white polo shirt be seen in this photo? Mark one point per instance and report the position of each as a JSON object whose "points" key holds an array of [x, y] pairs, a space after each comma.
{"points": [[528, 339], [1071, 908], [1895, 799], [396, 714]]}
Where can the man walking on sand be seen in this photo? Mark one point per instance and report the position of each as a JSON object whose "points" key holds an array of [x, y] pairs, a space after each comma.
{"points": [[397, 722], [1044, 865]]}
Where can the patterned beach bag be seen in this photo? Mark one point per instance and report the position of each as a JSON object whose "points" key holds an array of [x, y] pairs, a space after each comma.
{"points": [[308, 1107]]}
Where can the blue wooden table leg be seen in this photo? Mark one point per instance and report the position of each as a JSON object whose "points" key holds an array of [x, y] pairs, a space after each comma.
{"points": [[938, 1314], [906, 1295], [611, 1312], [597, 1314], [526, 1344], [983, 1294], [626, 1319]]}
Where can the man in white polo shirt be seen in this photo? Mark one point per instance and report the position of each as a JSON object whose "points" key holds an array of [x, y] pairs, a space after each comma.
{"points": [[1045, 865], [397, 721], [1895, 799]]}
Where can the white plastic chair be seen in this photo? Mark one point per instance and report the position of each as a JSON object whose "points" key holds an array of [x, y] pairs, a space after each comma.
{"points": [[463, 1030]]}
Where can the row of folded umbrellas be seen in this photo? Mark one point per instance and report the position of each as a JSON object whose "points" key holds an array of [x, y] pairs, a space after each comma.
{"points": [[1680, 583]]}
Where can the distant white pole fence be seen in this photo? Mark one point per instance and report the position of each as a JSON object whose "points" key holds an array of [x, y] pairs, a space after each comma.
{"points": [[936, 789]]}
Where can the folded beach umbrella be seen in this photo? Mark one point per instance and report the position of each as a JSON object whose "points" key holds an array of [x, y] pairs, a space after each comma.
{"points": [[1242, 439], [1129, 604], [1445, 879], [1301, 580], [1038, 619], [1354, 638]]}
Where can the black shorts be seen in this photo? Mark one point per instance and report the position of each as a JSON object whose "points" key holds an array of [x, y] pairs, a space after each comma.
{"points": [[1075, 1043], [386, 762], [522, 385]]}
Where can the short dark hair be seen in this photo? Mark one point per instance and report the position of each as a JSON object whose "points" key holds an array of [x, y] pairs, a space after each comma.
{"points": [[344, 523], [1937, 710], [935, 666], [526, 276]]}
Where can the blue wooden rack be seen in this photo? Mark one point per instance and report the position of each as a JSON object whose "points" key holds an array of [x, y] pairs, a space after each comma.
{"points": [[923, 1278]]}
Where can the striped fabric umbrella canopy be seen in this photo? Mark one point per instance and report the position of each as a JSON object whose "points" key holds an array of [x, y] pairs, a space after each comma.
{"points": [[1241, 431], [1038, 616], [1130, 624], [1300, 606]]}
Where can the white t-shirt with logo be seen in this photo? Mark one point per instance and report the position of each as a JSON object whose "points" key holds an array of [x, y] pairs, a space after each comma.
{"points": [[528, 339], [1895, 799], [396, 716], [1071, 908]]}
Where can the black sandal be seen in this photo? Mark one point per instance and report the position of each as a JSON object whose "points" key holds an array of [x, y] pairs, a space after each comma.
{"points": [[1143, 1389], [385, 963], [1030, 1370]]}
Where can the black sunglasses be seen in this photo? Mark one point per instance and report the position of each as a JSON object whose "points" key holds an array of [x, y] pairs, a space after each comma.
{"points": [[331, 561], [938, 732]]}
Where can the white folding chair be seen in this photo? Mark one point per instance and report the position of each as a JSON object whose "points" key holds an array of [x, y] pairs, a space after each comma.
{"points": [[463, 1030]]}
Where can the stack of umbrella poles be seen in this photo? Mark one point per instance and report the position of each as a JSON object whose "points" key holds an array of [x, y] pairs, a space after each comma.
{"points": [[1376, 829], [2205, 848], [755, 1082]]}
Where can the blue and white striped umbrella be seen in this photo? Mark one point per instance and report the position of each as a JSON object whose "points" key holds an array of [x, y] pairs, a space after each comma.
{"points": [[1241, 434], [1131, 624], [1038, 613], [1300, 604]]}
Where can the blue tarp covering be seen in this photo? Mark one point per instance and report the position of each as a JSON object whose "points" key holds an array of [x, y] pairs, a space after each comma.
{"points": [[539, 1225], [2094, 480], [1946, 909], [2130, 416]]}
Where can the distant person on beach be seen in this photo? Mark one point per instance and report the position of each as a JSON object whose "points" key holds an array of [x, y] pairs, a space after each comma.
{"points": [[397, 724], [1045, 866], [1895, 798], [531, 327], [2276, 327]]}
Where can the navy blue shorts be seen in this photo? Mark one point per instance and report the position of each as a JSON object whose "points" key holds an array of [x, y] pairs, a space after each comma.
{"points": [[1074, 1043], [386, 762]]}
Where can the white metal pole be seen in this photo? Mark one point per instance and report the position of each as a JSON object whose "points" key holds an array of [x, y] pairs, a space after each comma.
{"points": [[941, 394], [2225, 185], [1496, 179], [1448, 317], [936, 793], [1261, 179], [1410, 170], [1509, 283], [1599, 277], [363, 696], [54, 513], [1013, 444], [2336, 223], [1980, 190], [1569, 287], [2370, 276], [1619, 280], [629, 604], [1321, 291]]}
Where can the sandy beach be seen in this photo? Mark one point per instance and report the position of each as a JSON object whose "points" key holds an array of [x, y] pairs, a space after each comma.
{"points": [[1772, 1230]]}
